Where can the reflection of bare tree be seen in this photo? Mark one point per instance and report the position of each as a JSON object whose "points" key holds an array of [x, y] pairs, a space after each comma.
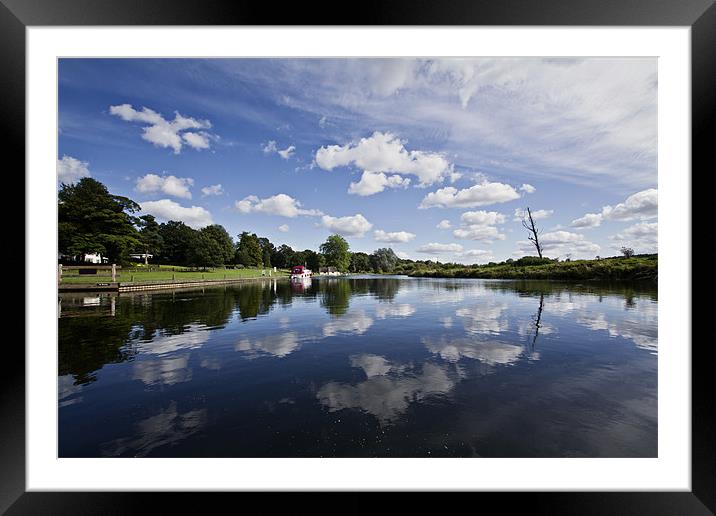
{"points": [[537, 321]]}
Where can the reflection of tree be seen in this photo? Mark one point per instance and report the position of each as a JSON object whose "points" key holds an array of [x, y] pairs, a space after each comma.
{"points": [[537, 321], [88, 343], [628, 289], [335, 295], [384, 289]]}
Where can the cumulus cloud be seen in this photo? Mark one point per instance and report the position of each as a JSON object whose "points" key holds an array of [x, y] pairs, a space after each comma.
{"points": [[280, 204], [382, 157], [395, 237], [482, 254], [642, 237], [436, 248], [443, 224], [520, 214], [484, 233], [212, 190], [166, 133], [271, 147], [355, 225], [480, 225], [481, 194], [283, 228], [169, 185], [528, 188], [166, 209], [199, 140], [70, 169], [562, 243], [642, 205], [375, 182]]}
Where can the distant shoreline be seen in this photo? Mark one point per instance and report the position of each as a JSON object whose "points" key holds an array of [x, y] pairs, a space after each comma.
{"points": [[642, 268]]}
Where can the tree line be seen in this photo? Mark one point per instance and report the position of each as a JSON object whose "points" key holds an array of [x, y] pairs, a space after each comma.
{"points": [[92, 220]]}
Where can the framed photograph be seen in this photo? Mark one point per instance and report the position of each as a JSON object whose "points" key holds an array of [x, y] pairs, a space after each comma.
{"points": [[416, 250]]}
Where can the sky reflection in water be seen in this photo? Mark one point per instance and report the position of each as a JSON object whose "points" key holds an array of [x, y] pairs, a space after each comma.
{"points": [[361, 367]]}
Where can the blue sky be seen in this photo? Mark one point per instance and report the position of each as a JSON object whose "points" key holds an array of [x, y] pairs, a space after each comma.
{"points": [[435, 158]]}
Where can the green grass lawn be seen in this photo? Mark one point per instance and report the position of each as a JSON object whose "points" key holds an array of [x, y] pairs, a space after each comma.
{"points": [[170, 273]]}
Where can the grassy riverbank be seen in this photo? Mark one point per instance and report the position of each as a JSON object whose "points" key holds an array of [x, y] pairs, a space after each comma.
{"points": [[171, 273], [644, 267]]}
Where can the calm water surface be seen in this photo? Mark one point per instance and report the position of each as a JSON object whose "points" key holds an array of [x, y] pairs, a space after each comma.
{"points": [[361, 366]]}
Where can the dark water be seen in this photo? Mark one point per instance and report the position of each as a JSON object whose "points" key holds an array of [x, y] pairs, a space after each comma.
{"points": [[361, 367]]}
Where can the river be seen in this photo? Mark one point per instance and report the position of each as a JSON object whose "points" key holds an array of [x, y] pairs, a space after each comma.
{"points": [[361, 367]]}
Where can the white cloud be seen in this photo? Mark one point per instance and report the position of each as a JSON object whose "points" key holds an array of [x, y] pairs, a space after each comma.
{"points": [[482, 218], [481, 194], [287, 152], [355, 226], [483, 254], [436, 248], [198, 140], [169, 185], [375, 182], [402, 255], [271, 147], [528, 188], [213, 190], [589, 220], [280, 204], [642, 237], [484, 233], [385, 153], [561, 243], [166, 209], [443, 224], [70, 169], [642, 205], [165, 133], [480, 225], [393, 237], [589, 121], [283, 228], [536, 214]]}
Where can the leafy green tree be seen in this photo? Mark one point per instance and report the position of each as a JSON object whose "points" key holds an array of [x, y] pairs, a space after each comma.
{"points": [[313, 260], [360, 262], [150, 236], [224, 244], [206, 251], [336, 251], [300, 257], [91, 220], [267, 250], [248, 251], [384, 260], [284, 257], [178, 241]]}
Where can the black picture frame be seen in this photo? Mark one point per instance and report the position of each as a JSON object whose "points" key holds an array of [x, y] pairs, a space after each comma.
{"points": [[700, 15]]}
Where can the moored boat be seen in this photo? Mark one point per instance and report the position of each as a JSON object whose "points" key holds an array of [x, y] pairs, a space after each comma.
{"points": [[300, 272]]}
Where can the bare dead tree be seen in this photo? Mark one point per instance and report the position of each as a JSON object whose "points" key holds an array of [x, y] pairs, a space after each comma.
{"points": [[529, 225]]}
